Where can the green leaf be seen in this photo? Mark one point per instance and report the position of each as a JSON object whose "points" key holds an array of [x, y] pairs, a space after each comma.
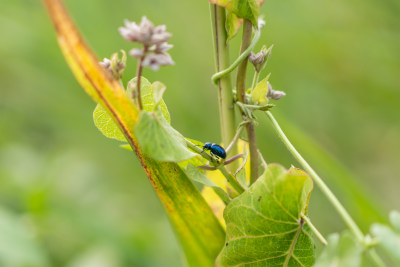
{"points": [[144, 87], [264, 225], [196, 175], [389, 239], [106, 124], [342, 250], [151, 95], [151, 98], [232, 25], [159, 140], [158, 91], [259, 95], [246, 9]]}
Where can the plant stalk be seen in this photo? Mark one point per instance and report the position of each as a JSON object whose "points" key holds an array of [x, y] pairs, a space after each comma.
{"points": [[241, 91], [138, 81], [324, 188], [222, 195], [241, 72], [236, 137], [255, 80], [231, 179], [375, 257], [237, 61], [225, 95], [351, 224], [315, 230]]}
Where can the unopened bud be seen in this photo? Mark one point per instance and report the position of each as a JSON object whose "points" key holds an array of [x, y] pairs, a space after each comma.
{"points": [[260, 59], [256, 59], [273, 94], [115, 66]]}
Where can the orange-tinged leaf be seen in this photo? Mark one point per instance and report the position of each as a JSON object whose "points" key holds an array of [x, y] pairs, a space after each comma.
{"points": [[198, 230], [96, 82]]}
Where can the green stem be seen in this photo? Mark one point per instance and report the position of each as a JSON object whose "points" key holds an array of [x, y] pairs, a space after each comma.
{"points": [[324, 188], [225, 95], [242, 56], [255, 80], [263, 162], [236, 137], [241, 71], [253, 151], [222, 194], [231, 179], [315, 230], [328, 193], [241, 92], [375, 258]]}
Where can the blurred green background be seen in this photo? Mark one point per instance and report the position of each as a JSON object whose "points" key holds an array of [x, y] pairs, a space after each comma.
{"points": [[70, 197]]}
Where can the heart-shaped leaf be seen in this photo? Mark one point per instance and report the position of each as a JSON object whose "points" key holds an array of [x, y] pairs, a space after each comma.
{"points": [[151, 98], [106, 125], [264, 225], [159, 140], [151, 95]]}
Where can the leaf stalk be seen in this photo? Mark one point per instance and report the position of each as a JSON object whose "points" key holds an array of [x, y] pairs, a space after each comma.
{"points": [[242, 57], [324, 188], [315, 230], [351, 224]]}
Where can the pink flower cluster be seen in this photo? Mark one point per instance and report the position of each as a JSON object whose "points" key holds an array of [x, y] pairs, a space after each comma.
{"points": [[154, 39]]}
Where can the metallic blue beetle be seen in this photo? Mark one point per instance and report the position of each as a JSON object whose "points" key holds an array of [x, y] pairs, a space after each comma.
{"points": [[215, 150]]}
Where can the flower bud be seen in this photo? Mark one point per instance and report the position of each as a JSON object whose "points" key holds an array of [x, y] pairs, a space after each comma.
{"points": [[260, 59], [115, 66], [273, 94]]}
